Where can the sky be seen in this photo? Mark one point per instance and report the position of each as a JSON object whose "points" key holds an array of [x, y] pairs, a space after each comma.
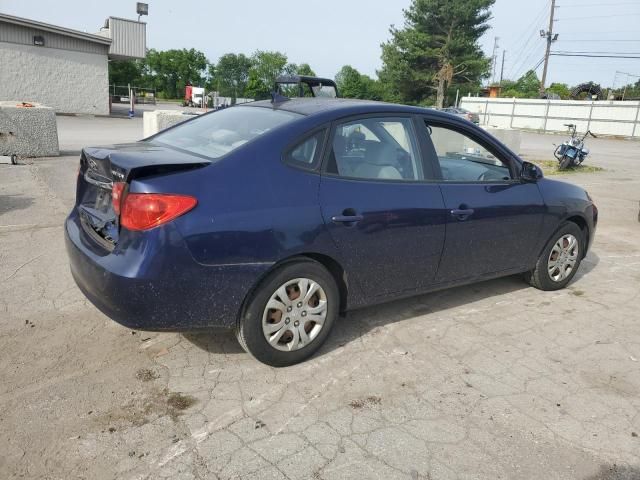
{"points": [[333, 33]]}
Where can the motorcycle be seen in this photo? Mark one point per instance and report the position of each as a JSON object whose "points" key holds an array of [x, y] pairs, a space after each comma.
{"points": [[572, 152]]}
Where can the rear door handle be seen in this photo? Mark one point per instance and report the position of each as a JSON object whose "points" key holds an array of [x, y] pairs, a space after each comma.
{"points": [[462, 213], [346, 218]]}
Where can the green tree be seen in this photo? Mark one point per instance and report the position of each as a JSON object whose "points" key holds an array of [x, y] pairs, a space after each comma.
{"points": [[171, 70], [305, 69], [126, 72], [527, 86], [560, 89], [349, 82], [437, 47], [230, 75], [352, 84], [255, 89], [267, 66]]}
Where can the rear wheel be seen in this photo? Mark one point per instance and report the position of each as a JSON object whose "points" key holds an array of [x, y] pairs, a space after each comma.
{"points": [[560, 259], [290, 314]]}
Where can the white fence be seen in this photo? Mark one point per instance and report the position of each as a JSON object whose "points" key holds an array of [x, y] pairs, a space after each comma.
{"points": [[601, 117]]}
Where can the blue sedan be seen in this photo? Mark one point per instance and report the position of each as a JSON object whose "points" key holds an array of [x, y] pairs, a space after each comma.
{"points": [[272, 218]]}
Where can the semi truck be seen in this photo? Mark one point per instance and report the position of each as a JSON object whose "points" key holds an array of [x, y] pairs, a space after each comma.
{"points": [[193, 96]]}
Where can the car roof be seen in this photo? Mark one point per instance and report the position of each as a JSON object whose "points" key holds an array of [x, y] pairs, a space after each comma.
{"points": [[341, 106]]}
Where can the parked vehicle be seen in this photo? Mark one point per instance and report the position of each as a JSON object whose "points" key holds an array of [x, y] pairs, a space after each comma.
{"points": [[272, 218], [305, 86], [461, 112], [572, 152], [193, 96]]}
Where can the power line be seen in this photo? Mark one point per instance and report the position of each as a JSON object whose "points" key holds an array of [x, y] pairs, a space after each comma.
{"points": [[604, 40], [603, 33], [538, 64], [597, 53], [524, 41], [599, 4], [592, 56], [598, 16]]}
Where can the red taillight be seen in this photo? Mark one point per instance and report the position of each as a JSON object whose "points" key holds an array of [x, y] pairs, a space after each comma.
{"points": [[142, 211], [116, 196]]}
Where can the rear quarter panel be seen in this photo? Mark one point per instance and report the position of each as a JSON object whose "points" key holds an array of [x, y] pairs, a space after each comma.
{"points": [[252, 208]]}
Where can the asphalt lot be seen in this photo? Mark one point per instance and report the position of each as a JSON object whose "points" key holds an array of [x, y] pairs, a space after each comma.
{"points": [[491, 381]]}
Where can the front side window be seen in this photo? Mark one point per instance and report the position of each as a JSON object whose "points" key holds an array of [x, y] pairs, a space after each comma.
{"points": [[376, 148], [216, 134], [462, 159]]}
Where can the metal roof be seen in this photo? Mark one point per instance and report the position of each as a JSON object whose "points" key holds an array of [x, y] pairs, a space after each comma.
{"points": [[25, 22]]}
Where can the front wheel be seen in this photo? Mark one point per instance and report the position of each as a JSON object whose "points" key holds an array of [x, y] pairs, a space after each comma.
{"points": [[560, 259], [565, 162], [290, 314]]}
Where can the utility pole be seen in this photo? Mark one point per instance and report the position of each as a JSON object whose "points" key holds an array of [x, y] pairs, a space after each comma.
{"points": [[494, 59], [551, 37], [502, 68]]}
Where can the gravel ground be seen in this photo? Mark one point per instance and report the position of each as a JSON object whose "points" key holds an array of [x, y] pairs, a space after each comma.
{"points": [[490, 381]]}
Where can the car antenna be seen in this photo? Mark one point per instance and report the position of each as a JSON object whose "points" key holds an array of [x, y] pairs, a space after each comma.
{"points": [[277, 98]]}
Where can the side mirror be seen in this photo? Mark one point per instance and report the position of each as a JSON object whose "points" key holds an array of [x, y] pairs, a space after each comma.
{"points": [[530, 172]]}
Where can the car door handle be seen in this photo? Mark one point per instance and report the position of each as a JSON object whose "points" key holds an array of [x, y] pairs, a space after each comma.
{"points": [[462, 213], [346, 218]]}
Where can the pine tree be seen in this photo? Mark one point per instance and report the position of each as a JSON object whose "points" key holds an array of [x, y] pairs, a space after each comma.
{"points": [[437, 47]]}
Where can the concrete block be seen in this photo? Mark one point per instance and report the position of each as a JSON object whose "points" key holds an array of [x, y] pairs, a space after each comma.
{"points": [[510, 137], [157, 120], [28, 131]]}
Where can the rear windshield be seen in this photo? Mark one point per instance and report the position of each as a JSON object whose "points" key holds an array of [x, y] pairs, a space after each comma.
{"points": [[221, 132]]}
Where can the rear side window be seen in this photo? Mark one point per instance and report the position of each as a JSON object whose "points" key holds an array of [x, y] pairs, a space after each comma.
{"points": [[306, 153], [221, 132]]}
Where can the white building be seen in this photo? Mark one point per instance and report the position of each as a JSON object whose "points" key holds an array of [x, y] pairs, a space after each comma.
{"points": [[62, 68]]}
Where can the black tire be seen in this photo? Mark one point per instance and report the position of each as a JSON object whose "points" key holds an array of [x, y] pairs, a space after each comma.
{"points": [[564, 163], [540, 277], [250, 329]]}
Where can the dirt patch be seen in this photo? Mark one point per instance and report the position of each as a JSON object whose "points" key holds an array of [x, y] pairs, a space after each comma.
{"points": [[616, 472], [370, 401], [179, 402], [577, 293], [147, 375], [146, 408]]}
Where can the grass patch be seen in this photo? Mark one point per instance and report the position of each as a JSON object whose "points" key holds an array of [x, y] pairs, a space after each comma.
{"points": [[550, 167]]}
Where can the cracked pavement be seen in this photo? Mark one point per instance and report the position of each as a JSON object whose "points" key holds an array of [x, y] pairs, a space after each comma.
{"points": [[490, 381]]}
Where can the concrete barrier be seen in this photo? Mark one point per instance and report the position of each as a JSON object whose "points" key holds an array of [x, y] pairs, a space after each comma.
{"points": [[28, 131], [157, 120]]}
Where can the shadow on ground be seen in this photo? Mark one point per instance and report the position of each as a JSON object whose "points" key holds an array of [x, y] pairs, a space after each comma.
{"points": [[14, 202], [616, 472], [359, 322]]}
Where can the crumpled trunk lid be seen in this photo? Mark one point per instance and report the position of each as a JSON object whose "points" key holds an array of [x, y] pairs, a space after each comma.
{"points": [[101, 167]]}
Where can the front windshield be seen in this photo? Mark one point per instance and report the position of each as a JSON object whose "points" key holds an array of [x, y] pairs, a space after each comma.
{"points": [[218, 133]]}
